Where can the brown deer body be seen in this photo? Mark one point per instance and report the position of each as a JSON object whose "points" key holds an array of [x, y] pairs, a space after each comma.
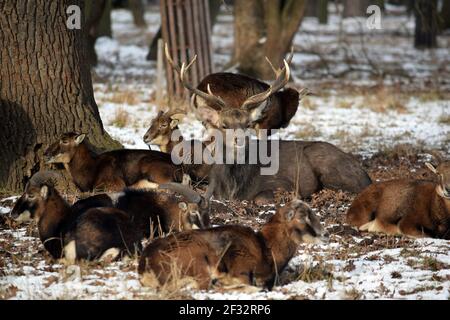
{"points": [[233, 252], [111, 170], [160, 133], [417, 208], [305, 167], [84, 232]]}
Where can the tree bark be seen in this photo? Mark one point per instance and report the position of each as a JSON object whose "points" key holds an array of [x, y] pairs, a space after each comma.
{"points": [[45, 88], [98, 24], [425, 36], [264, 28], [444, 16], [354, 8], [137, 9]]}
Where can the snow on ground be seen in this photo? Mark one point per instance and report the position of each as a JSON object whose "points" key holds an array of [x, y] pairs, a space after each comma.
{"points": [[408, 104]]}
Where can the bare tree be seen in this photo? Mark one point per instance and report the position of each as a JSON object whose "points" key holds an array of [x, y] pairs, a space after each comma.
{"points": [[264, 28], [45, 87]]}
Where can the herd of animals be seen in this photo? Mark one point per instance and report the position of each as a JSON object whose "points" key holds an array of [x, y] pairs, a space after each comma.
{"points": [[148, 196]]}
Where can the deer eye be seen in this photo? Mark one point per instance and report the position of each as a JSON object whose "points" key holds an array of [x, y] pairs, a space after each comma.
{"points": [[65, 142], [31, 197], [163, 125]]}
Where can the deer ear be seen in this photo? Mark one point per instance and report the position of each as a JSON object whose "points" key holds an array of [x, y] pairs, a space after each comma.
{"points": [[173, 123], [44, 192], [431, 167], [258, 112], [79, 139]]}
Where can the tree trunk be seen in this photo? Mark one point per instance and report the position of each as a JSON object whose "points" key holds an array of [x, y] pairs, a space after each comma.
{"points": [[214, 10], [322, 11], [354, 8], [98, 24], [248, 30], [137, 9], [444, 16], [45, 88], [264, 28], [425, 36]]}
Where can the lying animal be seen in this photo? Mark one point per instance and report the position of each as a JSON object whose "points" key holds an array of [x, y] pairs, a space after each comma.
{"points": [[417, 208], [160, 133], [79, 232], [232, 252], [113, 170]]}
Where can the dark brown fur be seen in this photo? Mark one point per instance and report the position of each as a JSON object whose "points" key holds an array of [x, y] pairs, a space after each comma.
{"points": [[94, 229], [416, 208], [234, 252], [111, 170], [234, 89]]}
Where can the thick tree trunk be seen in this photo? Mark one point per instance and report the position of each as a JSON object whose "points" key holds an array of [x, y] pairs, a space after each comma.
{"points": [[45, 87], [249, 29], [264, 28], [444, 16], [322, 11], [425, 36]]}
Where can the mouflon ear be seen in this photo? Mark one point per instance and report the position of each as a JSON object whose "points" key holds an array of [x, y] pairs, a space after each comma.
{"points": [[79, 139], [44, 192], [431, 167]]}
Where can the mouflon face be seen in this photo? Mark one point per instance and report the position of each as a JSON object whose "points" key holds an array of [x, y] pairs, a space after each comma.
{"points": [[63, 150], [305, 225], [30, 205], [162, 126]]}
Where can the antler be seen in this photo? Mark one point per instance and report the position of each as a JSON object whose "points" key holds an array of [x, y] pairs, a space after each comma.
{"points": [[281, 79], [174, 112], [191, 195], [208, 96]]}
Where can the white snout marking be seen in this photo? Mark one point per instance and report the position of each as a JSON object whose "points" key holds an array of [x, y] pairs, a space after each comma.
{"points": [[145, 184], [110, 254], [70, 252], [24, 217], [115, 197]]}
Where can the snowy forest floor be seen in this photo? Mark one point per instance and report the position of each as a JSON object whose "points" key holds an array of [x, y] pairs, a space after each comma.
{"points": [[374, 96]]}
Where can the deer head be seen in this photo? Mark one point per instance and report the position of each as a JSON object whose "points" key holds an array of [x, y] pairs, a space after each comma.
{"points": [[162, 126], [63, 150], [214, 110]]}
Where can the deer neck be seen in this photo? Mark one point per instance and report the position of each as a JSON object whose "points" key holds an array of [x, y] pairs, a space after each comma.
{"points": [[83, 167], [280, 246]]}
